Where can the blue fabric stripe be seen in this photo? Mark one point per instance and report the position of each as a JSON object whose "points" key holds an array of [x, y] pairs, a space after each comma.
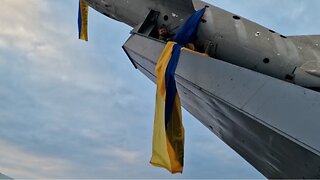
{"points": [[171, 89], [187, 34], [79, 20]]}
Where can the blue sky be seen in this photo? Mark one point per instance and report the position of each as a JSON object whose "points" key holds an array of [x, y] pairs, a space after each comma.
{"points": [[70, 109]]}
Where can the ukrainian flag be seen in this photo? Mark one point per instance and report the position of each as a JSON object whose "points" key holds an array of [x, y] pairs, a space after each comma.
{"points": [[83, 20], [168, 133]]}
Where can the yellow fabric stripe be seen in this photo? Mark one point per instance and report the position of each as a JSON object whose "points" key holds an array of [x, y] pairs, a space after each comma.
{"points": [[175, 135], [160, 155], [162, 67], [196, 52], [84, 9]]}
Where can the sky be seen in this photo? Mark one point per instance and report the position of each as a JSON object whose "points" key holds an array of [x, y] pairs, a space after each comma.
{"points": [[73, 109]]}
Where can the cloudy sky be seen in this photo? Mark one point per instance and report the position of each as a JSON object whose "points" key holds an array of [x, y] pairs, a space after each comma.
{"points": [[70, 109]]}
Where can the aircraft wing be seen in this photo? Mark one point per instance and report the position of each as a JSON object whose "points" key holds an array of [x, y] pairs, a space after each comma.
{"points": [[185, 5], [310, 40], [244, 108], [312, 66]]}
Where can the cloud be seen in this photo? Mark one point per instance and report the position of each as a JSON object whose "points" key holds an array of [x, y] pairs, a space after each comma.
{"points": [[124, 155], [70, 109], [25, 164], [60, 100]]}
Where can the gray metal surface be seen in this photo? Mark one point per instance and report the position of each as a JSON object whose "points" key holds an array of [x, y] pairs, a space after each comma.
{"points": [[247, 44], [237, 40], [134, 12], [273, 124]]}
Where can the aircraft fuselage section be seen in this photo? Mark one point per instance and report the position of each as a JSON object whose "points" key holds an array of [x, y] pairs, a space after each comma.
{"points": [[234, 39], [248, 44]]}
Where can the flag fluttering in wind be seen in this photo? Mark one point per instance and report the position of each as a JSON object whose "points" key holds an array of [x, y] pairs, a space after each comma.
{"points": [[168, 133], [83, 20]]}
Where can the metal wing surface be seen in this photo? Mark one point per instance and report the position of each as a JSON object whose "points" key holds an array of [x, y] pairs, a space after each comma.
{"points": [[185, 5]]}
